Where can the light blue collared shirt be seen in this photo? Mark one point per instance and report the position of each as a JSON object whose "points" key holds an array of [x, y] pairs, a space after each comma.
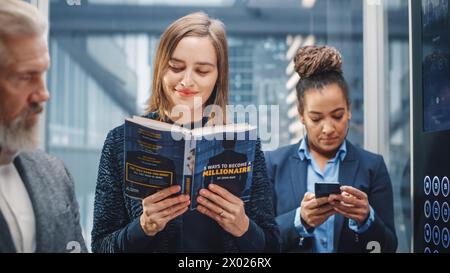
{"points": [[323, 241]]}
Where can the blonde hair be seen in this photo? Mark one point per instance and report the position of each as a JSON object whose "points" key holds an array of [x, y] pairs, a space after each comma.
{"points": [[18, 18], [193, 25]]}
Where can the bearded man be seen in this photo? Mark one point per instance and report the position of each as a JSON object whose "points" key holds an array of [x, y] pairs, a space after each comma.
{"points": [[38, 208]]}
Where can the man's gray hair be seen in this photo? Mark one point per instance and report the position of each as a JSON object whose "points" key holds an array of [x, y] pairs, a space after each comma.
{"points": [[18, 18]]}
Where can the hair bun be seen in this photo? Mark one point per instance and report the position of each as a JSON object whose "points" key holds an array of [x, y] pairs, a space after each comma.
{"points": [[314, 60]]}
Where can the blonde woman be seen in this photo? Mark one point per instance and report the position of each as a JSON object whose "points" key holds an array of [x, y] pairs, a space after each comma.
{"points": [[191, 65]]}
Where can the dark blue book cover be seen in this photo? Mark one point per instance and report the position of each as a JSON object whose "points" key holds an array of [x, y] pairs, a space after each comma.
{"points": [[158, 155], [153, 160], [226, 161]]}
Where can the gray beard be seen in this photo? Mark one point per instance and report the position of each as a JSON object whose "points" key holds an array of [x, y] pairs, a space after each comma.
{"points": [[17, 136]]}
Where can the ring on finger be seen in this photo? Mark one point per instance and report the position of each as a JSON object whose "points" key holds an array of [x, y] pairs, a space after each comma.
{"points": [[153, 226]]}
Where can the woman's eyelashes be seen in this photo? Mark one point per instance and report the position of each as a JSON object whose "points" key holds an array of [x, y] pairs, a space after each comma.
{"points": [[178, 69], [202, 72], [317, 120]]}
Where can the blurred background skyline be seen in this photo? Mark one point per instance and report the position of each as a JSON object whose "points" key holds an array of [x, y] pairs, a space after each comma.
{"points": [[102, 60]]}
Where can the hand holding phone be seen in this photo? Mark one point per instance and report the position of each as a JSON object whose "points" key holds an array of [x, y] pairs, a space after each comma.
{"points": [[315, 211]]}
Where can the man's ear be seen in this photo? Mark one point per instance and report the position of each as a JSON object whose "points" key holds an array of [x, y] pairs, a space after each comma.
{"points": [[349, 115]]}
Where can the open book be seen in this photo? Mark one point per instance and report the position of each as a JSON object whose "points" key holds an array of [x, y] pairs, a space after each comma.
{"points": [[158, 155]]}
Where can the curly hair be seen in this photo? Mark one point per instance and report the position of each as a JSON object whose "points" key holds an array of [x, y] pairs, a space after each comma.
{"points": [[313, 60], [318, 66]]}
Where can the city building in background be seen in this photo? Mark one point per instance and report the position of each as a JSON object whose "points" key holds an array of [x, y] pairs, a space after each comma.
{"points": [[102, 60]]}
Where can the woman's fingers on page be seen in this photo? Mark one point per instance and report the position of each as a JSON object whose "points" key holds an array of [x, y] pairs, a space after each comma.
{"points": [[235, 224], [224, 193], [162, 194], [217, 199], [220, 206], [158, 221], [169, 202], [208, 204], [204, 210], [176, 213], [173, 209]]}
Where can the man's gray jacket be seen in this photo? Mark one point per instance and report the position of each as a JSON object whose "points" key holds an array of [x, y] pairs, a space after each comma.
{"points": [[51, 191]]}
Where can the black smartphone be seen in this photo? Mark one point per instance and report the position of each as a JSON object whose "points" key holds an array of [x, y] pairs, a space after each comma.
{"points": [[326, 188]]}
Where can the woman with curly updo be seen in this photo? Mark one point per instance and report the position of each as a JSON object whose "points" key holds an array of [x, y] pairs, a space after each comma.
{"points": [[358, 219]]}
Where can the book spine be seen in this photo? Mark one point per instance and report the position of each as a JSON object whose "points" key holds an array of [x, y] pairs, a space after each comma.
{"points": [[189, 165]]}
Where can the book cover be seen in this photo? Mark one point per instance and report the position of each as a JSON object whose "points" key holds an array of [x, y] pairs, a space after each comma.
{"points": [[158, 155], [153, 160]]}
